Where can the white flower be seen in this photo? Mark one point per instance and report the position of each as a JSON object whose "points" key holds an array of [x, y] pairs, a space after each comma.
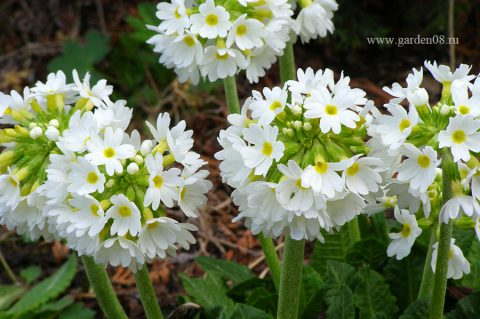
{"points": [[109, 151], [116, 115], [163, 184], [477, 227], [232, 168], [461, 136], [126, 216], [259, 60], [99, 94], [403, 241], [56, 84], [459, 203], [211, 21], [162, 129], [316, 19], [395, 128], [264, 149], [174, 17], [85, 178], [323, 177], [344, 207], [463, 103], [246, 33], [266, 109], [457, 263], [307, 81], [332, 111], [219, 63], [9, 190], [192, 193], [419, 168], [442, 73], [80, 130], [89, 215], [362, 176], [119, 251]]}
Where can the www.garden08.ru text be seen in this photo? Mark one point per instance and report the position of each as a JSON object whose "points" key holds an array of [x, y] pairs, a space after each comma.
{"points": [[418, 40]]}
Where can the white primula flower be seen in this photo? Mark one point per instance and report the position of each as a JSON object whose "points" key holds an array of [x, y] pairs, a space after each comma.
{"points": [[116, 115], [403, 241], [323, 177], [332, 111], [89, 215], [219, 63], [246, 33], [9, 190], [461, 136], [344, 207], [192, 192], [457, 263], [266, 109], [126, 216], [232, 167], [174, 17], [211, 21], [260, 60], [56, 84], [109, 150], [264, 149], [164, 185], [316, 19], [185, 50], [99, 94], [362, 176], [464, 104], [162, 129], [458, 204], [443, 74], [307, 81], [419, 168], [80, 130], [85, 178], [119, 251]]}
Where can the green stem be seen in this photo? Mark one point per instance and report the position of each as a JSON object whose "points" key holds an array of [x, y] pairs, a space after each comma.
{"points": [[427, 277], [104, 292], [290, 279], [231, 94], [7, 269], [441, 268], [272, 258], [147, 294], [354, 230], [287, 64]]}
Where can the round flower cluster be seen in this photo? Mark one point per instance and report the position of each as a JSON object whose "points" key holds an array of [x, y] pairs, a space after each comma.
{"points": [[97, 187], [315, 19], [217, 39], [414, 141], [295, 156]]}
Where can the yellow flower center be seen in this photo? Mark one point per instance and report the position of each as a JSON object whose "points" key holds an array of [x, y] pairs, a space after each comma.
{"points": [[406, 231], [158, 181], [423, 161], [92, 178], [331, 109], [109, 152], [459, 136], [321, 167], [211, 20], [404, 124], [464, 109], [94, 210], [177, 14], [241, 30], [275, 105], [152, 225], [353, 170], [182, 193], [267, 149], [222, 57], [124, 211], [298, 183], [189, 41]]}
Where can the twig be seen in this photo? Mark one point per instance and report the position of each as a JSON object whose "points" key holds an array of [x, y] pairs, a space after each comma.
{"points": [[260, 259], [451, 32], [8, 270], [101, 16]]}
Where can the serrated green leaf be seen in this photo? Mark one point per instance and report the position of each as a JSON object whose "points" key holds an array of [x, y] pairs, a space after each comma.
{"points": [[368, 251], [374, 226], [373, 296], [209, 291], [47, 289], [31, 273], [404, 277], [312, 287], [338, 296], [262, 299], [8, 295], [334, 248], [417, 310], [472, 280], [242, 311], [240, 292], [77, 311], [229, 270], [468, 307]]}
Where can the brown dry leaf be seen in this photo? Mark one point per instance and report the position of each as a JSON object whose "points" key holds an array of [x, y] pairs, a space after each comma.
{"points": [[59, 251], [123, 276]]}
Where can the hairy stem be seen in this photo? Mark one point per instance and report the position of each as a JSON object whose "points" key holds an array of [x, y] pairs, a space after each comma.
{"points": [[231, 94], [271, 258], [147, 294], [287, 64], [427, 277]]}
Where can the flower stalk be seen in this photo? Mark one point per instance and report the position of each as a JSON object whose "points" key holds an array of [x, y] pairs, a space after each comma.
{"points": [[103, 289], [287, 64], [147, 294], [427, 277], [231, 95], [289, 295], [272, 258]]}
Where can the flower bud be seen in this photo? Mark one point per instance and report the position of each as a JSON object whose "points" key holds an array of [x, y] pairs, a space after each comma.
{"points": [[138, 159], [307, 126], [298, 124], [36, 132], [54, 123], [132, 168], [146, 147], [296, 109], [52, 133], [110, 183]]}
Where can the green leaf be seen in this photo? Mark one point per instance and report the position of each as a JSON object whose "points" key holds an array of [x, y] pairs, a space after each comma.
{"points": [[404, 277], [338, 295], [417, 310], [55, 306], [240, 292], [8, 294], [369, 251], [374, 226], [373, 296], [472, 280], [230, 270], [242, 311], [77, 311], [31, 273], [47, 289], [312, 286], [334, 248], [263, 299], [468, 307], [209, 291]]}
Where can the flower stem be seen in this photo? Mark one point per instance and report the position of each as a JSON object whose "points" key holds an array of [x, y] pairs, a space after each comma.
{"points": [[147, 294], [231, 94], [290, 279], [104, 292], [272, 258], [427, 277], [354, 230], [287, 64], [441, 268]]}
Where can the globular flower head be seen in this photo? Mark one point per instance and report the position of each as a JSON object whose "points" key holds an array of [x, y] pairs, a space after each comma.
{"points": [[296, 156]]}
